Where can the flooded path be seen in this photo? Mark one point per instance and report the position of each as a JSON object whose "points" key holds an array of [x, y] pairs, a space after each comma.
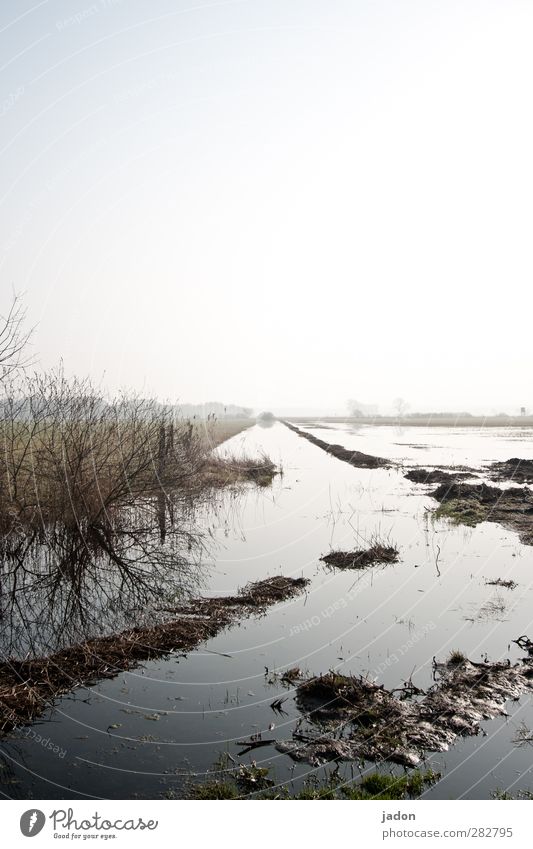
{"points": [[146, 731]]}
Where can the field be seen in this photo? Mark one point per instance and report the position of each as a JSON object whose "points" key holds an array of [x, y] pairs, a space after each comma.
{"points": [[223, 429], [420, 420]]}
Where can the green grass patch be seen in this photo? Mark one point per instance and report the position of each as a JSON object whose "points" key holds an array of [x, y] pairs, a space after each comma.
{"points": [[462, 511], [246, 782]]}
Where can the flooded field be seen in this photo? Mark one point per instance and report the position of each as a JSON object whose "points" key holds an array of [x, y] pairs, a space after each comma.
{"points": [[151, 730]]}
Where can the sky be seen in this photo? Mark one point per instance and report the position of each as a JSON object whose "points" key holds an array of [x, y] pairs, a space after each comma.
{"points": [[278, 203]]}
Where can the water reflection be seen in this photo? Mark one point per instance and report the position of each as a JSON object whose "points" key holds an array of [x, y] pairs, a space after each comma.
{"points": [[60, 584]]}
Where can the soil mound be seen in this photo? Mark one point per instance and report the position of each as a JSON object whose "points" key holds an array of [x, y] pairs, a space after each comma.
{"points": [[349, 718], [470, 504], [361, 558], [514, 469], [432, 476]]}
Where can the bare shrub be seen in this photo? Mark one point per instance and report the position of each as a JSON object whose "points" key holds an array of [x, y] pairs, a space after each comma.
{"points": [[14, 339]]}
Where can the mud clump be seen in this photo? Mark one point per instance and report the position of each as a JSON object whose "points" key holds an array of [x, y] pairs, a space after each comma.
{"points": [[470, 504], [425, 476], [354, 458], [362, 558], [514, 469], [501, 582], [28, 687], [349, 718]]}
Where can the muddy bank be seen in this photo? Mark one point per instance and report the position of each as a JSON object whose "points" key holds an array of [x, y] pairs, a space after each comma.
{"points": [[354, 458], [28, 687], [470, 504], [520, 471], [361, 558], [351, 718]]}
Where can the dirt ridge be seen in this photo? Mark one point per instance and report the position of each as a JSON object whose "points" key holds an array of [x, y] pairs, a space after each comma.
{"points": [[28, 687], [354, 458]]}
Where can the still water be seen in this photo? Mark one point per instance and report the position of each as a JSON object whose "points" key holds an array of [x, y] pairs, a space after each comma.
{"points": [[146, 732]]}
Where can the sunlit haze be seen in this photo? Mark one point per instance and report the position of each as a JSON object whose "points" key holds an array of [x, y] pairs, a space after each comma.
{"points": [[277, 203]]}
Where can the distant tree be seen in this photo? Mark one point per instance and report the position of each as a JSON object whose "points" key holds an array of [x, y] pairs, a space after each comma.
{"points": [[401, 406], [354, 408]]}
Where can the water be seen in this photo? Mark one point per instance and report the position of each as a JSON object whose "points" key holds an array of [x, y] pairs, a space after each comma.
{"points": [[146, 731]]}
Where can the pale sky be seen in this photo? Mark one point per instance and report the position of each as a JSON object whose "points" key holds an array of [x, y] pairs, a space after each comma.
{"points": [[277, 203]]}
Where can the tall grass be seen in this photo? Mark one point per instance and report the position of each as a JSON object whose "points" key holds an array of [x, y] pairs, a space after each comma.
{"points": [[67, 456]]}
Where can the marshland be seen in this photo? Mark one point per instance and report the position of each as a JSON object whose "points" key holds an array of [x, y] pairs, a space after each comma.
{"points": [[216, 608]]}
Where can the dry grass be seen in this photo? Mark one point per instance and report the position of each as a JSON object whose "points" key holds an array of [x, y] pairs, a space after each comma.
{"points": [[456, 657], [229, 470], [377, 552], [220, 430], [68, 457], [523, 736]]}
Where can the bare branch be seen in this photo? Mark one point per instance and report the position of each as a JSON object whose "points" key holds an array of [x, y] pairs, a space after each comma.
{"points": [[14, 338]]}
